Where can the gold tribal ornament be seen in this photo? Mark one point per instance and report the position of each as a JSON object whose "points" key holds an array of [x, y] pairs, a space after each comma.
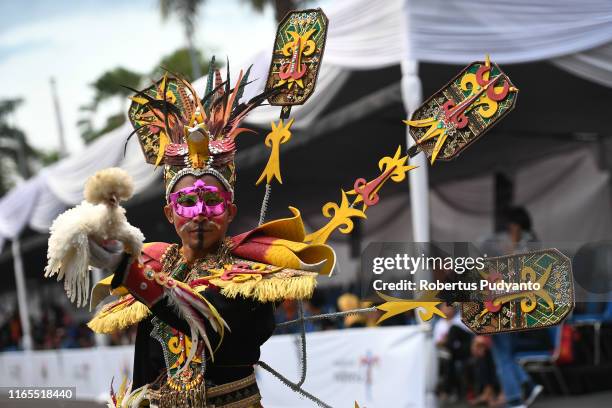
{"points": [[363, 194]]}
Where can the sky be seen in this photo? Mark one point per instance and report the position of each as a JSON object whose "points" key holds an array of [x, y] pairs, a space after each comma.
{"points": [[75, 41]]}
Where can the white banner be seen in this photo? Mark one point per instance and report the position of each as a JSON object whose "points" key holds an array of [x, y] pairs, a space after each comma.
{"points": [[377, 367], [89, 370]]}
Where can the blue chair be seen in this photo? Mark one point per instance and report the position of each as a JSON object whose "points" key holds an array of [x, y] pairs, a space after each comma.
{"points": [[594, 316], [545, 361], [608, 312], [591, 265]]}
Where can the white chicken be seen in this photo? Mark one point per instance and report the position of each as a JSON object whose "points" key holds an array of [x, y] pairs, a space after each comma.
{"points": [[99, 217]]}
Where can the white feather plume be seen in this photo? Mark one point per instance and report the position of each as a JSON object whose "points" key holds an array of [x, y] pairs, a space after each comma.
{"points": [[104, 219]]}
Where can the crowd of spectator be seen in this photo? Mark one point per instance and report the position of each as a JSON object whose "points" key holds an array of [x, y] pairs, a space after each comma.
{"points": [[470, 365], [56, 328]]}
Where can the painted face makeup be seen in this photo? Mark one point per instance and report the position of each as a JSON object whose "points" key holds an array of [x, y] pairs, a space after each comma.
{"points": [[200, 199]]}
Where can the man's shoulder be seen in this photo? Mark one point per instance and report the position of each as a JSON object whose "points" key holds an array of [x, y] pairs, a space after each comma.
{"points": [[152, 253], [153, 248]]}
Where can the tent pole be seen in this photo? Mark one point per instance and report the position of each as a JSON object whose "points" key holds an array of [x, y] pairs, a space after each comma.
{"points": [[21, 295], [419, 196], [418, 179], [412, 97]]}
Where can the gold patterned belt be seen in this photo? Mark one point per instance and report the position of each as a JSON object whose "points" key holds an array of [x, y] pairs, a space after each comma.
{"points": [[242, 393]]}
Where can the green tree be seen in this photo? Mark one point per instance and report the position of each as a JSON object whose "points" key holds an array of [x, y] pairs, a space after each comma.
{"points": [[17, 157], [186, 11], [111, 84], [49, 157], [281, 7], [180, 62]]}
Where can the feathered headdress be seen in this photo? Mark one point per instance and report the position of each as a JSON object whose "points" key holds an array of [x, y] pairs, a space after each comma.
{"points": [[188, 134]]}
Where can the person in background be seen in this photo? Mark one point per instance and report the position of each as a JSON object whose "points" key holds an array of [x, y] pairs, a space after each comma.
{"points": [[10, 333], [487, 385], [518, 388], [452, 338], [318, 304], [284, 312], [349, 301]]}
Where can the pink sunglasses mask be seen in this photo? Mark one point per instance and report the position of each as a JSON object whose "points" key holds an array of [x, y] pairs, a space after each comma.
{"points": [[189, 202]]}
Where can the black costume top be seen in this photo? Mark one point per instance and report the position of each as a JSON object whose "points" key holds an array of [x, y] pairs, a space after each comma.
{"points": [[251, 324]]}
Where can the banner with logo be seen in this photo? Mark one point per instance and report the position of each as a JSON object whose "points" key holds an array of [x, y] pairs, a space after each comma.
{"points": [[377, 367], [89, 370]]}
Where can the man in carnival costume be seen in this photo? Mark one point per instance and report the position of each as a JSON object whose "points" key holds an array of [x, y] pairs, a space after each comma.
{"points": [[203, 307]]}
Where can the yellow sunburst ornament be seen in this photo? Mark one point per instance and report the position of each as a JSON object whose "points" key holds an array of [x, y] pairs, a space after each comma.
{"points": [[340, 219], [365, 193], [281, 133], [426, 305], [436, 130]]}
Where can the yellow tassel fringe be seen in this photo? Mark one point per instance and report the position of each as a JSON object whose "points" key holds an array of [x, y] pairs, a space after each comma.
{"points": [[271, 289], [109, 321]]}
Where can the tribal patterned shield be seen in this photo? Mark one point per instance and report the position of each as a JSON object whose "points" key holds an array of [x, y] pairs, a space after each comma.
{"points": [[458, 114], [298, 50], [147, 118], [544, 298]]}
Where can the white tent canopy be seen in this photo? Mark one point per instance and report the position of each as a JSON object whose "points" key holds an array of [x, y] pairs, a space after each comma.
{"points": [[363, 34]]}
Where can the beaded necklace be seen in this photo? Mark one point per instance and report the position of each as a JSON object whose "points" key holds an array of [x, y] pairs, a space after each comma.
{"points": [[174, 263]]}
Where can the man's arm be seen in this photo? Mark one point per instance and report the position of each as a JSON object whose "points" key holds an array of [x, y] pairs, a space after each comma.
{"points": [[175, 303]]}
